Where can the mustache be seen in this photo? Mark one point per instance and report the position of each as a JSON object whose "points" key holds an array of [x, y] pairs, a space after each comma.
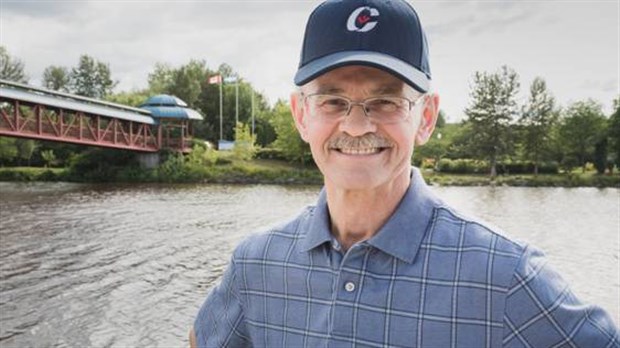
{"points": [[365, 141]]}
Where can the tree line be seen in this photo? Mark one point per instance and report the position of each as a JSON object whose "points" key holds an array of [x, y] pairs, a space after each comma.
{"points": [[495, 130]]}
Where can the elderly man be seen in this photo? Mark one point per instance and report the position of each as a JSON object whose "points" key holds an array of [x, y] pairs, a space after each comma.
{"points": [[380, 261]]}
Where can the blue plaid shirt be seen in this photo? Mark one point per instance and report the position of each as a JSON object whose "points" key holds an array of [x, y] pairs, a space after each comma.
{"points": [[429, 278]]}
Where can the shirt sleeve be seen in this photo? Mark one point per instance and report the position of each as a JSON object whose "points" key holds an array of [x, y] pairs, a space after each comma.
{"points": [[541, 311], [220, 321]]}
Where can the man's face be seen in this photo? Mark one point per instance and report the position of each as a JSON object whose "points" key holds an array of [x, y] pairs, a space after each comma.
{"points": [[356, 152]]}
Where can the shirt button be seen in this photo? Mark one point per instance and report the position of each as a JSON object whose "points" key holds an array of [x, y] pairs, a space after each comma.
{"points": [[349, 287]]}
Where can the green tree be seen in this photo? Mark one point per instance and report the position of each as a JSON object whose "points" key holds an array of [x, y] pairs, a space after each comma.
{"points": [[244, 142], [491, 113], [56, 78], [160, 79], [91, 78], [537, 119], [582, 126], [11, 68], [8, 150], [48, 157], [133, 98], [614, 133], [288, 141], [25, 149]]}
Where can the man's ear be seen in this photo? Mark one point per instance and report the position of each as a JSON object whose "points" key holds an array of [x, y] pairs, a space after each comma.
{"points": [[297, 110], [428, 119]]}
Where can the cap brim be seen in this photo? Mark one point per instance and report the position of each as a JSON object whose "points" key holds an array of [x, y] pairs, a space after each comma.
{"points": [[410, 75]]}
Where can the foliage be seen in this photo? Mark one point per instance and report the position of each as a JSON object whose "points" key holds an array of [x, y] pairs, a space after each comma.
{"points": [[11, 68], [600, 156], [8, 150], [288, 141], [582, 126], [462, 166], [49, 157], [91, 78], [244, 143], [56, 78], [25, 149], [537, 119], [133, 98], [491, 113], [100, 164], [614, 133]]}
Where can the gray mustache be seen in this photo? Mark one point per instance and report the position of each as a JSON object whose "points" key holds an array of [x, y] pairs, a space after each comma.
{"points": [[365, 141]]}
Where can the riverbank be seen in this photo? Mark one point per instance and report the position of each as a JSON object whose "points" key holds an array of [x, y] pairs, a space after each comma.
{"points": [[280, 173]]}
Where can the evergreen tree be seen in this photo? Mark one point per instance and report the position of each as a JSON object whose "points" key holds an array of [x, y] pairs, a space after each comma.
{"points": [[537, 119], [56, 78], [491, 113], [91, 78]]}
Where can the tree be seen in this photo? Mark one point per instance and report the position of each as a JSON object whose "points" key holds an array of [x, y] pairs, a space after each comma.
{"points": [[491, 113], [56, 78], [244, 142], [537, 119], [614, 132], [582, 126], [91, 78], [8, 150], [11, 69], [160, 79], [288, 141], [25, 149], [48, 157]]}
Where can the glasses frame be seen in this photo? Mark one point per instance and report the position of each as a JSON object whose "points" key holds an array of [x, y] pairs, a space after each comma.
{"points": [[362, 103]]}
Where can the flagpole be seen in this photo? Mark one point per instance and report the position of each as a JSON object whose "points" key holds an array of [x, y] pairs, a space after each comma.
{"points": [[221, 107], [236, 100], [252, 110]]}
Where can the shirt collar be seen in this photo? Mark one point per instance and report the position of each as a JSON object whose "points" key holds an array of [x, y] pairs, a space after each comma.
{"points": [[401, 235]]}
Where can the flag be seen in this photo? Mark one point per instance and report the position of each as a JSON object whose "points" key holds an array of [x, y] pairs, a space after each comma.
{"points": [[215, 79], [230, 79]]}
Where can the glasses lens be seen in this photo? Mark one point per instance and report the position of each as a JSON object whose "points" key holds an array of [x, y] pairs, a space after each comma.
{"points": [[329, 106], [387, 109]]}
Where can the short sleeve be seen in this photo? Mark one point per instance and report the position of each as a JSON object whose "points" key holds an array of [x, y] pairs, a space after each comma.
{"points": [[541, 311], [220, 321]]}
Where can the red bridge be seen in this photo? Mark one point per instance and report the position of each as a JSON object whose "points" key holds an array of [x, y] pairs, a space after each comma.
{"points": [[162, 122]]}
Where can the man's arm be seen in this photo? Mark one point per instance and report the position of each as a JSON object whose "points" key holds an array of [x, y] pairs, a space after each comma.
{"points": [[192, 338], [221, 321], [542, 311]]}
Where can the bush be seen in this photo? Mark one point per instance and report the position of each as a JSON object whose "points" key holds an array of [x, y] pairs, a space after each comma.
{"points": [[462, 166]]}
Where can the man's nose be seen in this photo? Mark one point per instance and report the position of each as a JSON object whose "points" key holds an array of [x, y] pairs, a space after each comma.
{"points": [[356, 123]]}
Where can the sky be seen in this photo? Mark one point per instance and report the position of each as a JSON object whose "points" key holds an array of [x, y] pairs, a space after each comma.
{"points": [[573, 45]]}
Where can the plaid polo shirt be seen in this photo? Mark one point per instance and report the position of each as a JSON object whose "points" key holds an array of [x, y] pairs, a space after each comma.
{"points": [[430, 277]]}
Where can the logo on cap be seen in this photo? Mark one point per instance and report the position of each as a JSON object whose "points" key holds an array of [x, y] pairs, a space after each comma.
{"points": [[362, 19]]}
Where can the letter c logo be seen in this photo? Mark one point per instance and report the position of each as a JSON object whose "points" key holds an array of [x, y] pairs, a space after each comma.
{"points": [[362, 19]]}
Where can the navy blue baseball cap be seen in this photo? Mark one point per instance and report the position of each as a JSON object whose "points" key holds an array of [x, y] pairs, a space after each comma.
{"points": [[385, 34]]}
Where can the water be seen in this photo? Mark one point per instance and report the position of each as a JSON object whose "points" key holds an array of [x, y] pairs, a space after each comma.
{"points": [[109, 265]]}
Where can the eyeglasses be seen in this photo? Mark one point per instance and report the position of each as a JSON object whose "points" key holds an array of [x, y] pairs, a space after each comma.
{"points": [[384, 109]]}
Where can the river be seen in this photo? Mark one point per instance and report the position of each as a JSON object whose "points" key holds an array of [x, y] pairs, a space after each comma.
{"points": [[129, 265]]}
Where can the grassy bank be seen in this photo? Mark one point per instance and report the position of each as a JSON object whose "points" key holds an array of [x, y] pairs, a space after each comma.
{"points": [[277, 172]]}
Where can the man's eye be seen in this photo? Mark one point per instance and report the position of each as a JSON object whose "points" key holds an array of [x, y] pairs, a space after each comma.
{"points": [[335, 102], [388, 104]]}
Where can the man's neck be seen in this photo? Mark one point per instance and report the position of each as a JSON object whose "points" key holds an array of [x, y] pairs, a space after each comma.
{"points": [[357, 215]]}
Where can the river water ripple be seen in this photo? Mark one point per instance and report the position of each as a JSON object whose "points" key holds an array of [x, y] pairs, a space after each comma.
{"points": [[114, 265]]}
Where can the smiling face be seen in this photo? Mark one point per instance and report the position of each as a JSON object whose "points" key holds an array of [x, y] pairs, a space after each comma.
{"points": [[355, 152]]}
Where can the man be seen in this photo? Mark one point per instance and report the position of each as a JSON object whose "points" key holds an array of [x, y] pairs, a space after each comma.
{"points": [[380, 261]]}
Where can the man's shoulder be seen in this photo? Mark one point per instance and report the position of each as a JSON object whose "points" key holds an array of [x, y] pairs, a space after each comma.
{"points": [[279, 237], [452, 226]]}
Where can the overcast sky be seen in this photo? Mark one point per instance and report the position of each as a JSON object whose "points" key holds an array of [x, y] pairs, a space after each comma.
{"points": [[573, 45]]}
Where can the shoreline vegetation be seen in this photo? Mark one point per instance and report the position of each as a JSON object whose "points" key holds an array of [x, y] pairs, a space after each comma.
{"points": [[261, 171]]}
